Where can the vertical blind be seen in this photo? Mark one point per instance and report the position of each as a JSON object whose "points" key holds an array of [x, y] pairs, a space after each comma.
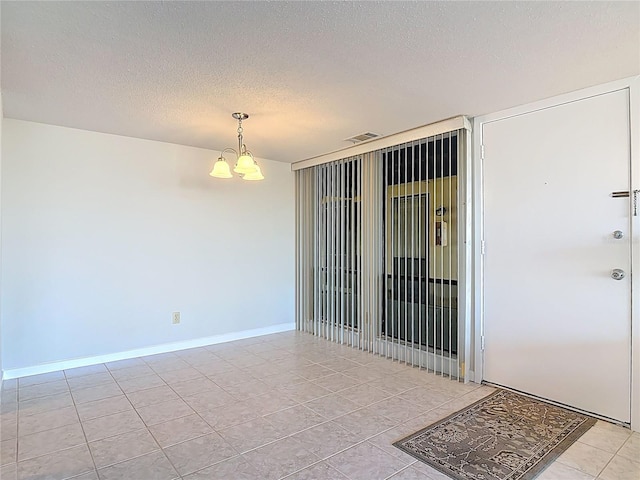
{"points": [[378, 258]]}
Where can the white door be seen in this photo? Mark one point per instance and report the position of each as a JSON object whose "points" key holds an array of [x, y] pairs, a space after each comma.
{"points": [[556, 324]]}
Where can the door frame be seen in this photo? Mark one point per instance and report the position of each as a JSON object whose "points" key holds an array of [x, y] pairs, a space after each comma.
{"points": [[632, 84]]}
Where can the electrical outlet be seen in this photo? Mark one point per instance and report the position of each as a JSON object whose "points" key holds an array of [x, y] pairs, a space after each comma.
{"points": [[175, 318]]}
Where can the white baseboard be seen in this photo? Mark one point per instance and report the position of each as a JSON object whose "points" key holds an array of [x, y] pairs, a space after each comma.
{"points": [[141, 352]]}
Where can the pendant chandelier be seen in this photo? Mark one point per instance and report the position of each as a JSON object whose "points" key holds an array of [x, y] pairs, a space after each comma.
{"points": [[245, 165]]}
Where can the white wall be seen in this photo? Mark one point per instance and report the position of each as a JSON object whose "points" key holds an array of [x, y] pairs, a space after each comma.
{"points": [[1, 120], [104, 236]]}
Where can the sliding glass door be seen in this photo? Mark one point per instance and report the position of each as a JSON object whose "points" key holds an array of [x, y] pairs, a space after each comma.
{"points": [[378, 257], [421, 249]]}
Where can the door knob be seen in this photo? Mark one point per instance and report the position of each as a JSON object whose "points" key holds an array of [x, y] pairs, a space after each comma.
{"points": [[617, 274], [618, 234]]}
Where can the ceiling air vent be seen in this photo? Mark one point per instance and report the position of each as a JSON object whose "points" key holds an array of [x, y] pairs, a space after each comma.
{"points": [[362, 137]]}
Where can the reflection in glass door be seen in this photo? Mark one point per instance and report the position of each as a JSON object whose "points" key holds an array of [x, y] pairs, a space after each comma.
{"points": [[421, 301]]}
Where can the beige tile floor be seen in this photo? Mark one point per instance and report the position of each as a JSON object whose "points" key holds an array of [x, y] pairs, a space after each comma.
{"points": [[279, 406]]}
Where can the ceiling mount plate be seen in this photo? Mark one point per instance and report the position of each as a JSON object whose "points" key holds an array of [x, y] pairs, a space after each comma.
{"points": [[240, 116]]}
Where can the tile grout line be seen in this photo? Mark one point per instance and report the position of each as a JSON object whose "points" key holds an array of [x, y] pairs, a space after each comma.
{"points": [[238, 454], [84, 433], [17, 423], [106, 415], [261, 416], [247, 369], [613, 457], [146, 427], [199, 436], [360, 407], [388, 477], [53, 428]]}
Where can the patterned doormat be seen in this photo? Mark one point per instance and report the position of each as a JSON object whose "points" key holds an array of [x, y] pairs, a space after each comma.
{"points": [[503, 436]]}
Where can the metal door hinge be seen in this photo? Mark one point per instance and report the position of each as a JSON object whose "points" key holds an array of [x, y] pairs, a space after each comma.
{"points": [[482, 247], [635, 202], [482, 342], [482, 152]]}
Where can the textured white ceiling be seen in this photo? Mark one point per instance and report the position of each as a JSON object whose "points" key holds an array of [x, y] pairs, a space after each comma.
{"points": [[310, 74]]}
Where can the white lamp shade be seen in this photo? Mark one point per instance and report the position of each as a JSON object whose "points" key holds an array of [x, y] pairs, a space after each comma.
{"points": [[221, 169], [245, 164], [255, 175]]}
